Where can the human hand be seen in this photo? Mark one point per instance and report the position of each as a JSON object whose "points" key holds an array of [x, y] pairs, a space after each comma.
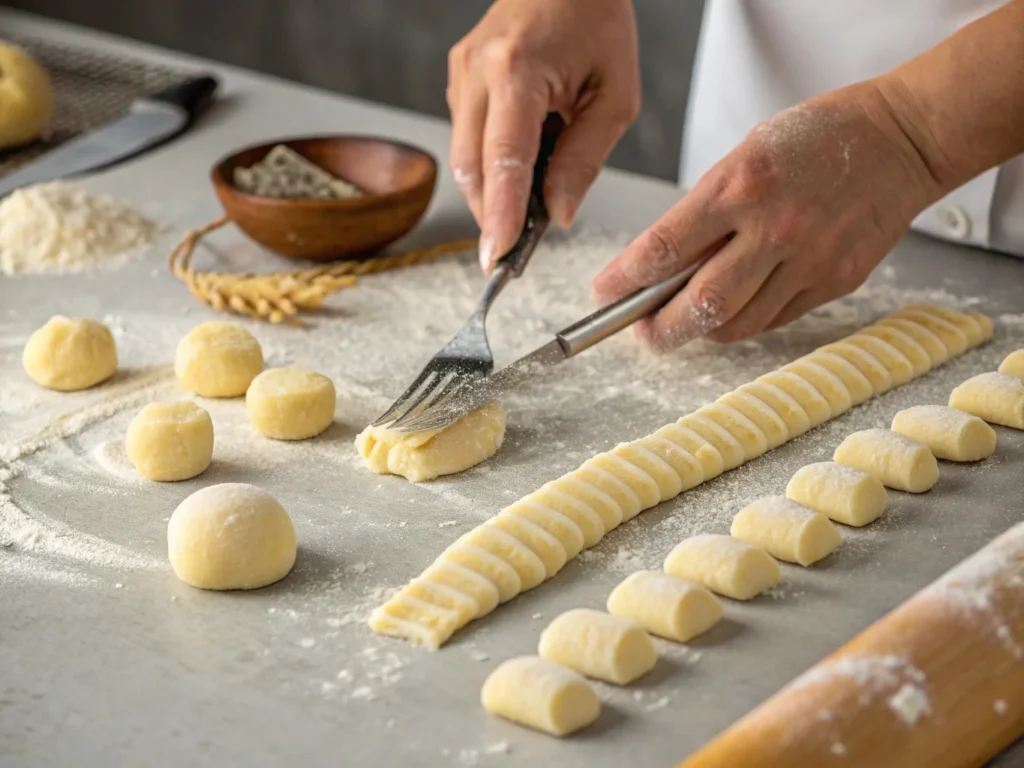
{"points": [[524, 59], [797, 215]]}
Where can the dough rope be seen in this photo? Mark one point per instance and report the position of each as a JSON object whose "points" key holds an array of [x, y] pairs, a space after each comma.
{"points": [[614, 487]]}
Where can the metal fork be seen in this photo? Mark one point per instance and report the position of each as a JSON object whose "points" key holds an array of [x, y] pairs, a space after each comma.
{"points": [[467, 357]]}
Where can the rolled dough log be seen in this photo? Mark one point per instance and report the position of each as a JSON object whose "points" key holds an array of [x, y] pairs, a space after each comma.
{"points": [[643, 485], [591, 524], [954, 338], [932, 344], [856, 383], [603, 505], [767, 420], [711, 461], [746, 432], [290, 403], [896, 363], [845, 494], [970, 327], [412, 618], [731, 449], [813, 404], [897, 461], [788, 409], [468, 582], [653, 466], [918, 356], [995, 397], [827, 383], [869, 365], [786, 529], [549, 549], [420, 456], [949, 434], [527, 565], [502, 575], [686, 466], [558, 525], [665, 605], [541, 695], [598, 645], [724, 565], [1013, 365]]}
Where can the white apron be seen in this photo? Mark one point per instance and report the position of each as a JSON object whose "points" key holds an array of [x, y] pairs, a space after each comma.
{"points": [[757, 57]]}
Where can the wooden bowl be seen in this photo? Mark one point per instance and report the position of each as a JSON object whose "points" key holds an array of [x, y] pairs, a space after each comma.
{"points": [[398, 181]]}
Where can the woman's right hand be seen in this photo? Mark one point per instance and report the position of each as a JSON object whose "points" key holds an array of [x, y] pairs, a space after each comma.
{"points": [[524, 59]]}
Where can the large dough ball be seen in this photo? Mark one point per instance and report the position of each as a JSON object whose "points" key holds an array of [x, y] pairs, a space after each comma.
{"points": [[68, 354], [26, 98], [290, 404], [230, 536], [170, 441], [218, 359]]}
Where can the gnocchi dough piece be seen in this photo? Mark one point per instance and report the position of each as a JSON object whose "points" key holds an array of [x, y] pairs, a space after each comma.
{"points": [[502, 575], [218, 359], [814, 405], [527, 565], [767, 420], [827, 383], [954, 338], [724, 565], [995, 397], [746, 432], [987, 331], [665, 605], [667, 479], [949, 434], [685, 464], [416, 620], [420, 456], [1013, 365], [466, 581], [896, 460], [920, 360], [711, 461], [642, 484], [855, 382], [462, 605], [787, 530], [630, 503], [540, 694], [598, 645], [545, 546], [970, 327], [847, 495], [586, 519], [932, 344], [26, 98], [601, 503], [558, 525], [230, 536], [731, 449], [896, 363], [170, 441], [869, 365], [69, 354], [788, 409]]}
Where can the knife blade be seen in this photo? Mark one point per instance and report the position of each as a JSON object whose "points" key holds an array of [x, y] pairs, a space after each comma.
{"points": [[149, 121]]}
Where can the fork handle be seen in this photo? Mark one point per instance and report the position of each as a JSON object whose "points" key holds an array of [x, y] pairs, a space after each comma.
{"points": [[609, 320]]}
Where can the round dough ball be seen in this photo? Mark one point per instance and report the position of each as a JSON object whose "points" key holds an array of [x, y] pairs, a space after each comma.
{"points": [[218, 359], [230, 536], [26, 97], [68, 354], [290, 404], [170, 441]]}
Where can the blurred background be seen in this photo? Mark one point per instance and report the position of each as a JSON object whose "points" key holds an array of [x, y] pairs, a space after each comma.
{"points": [[391, 51]]}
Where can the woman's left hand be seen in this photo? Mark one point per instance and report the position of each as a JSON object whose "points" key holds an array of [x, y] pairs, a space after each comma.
{"points": [[797, 215]]}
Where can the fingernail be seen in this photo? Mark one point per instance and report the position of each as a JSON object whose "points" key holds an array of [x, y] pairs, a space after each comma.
{"points": [[486, 252], [563, 209]]}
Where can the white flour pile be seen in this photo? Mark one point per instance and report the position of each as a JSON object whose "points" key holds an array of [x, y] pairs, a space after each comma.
{"points": [[56, 227]]}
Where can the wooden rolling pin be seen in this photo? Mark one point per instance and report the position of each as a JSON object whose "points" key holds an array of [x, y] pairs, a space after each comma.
{"points": [[938, 682]]}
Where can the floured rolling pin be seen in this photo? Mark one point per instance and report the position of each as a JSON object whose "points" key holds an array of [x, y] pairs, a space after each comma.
{"points": [[938, 682]]}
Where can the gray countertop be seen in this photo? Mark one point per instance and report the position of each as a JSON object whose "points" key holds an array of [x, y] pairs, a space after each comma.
{"points": [[105, 658]]}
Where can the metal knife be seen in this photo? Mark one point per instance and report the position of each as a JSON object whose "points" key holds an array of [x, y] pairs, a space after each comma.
{"points": [[567, 343], [150, 121]]}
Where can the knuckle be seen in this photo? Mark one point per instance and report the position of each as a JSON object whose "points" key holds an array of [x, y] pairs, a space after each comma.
{"points": [[661, 252], [506, 56], [748, 179], [459, 56], [711, 305]]}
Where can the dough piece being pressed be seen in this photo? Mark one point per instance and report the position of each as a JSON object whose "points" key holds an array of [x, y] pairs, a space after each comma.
{"points": [[786, 529], [724, 565], [918, 356], [897, 461], [789, 410], [711, 461], [970, 327], [598, 645], [170, 441], [827, 383], [896, 363], [949, 434], [995, 397], [814, 405], [541, 695], [856, 383], [869, 365], [665, 605], [845, 494], [767, 420], [1013, 365], [723, 441], [420, 456], [218, 359], [746, 432], [26, 98], [931, 343], [954, 338], [290, 404], [230, 536], [69, 354]]}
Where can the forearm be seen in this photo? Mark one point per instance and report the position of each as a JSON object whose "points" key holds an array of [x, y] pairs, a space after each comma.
{"points": [[961, 103]]}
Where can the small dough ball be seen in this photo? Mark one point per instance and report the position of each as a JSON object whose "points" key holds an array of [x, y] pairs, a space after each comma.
{"points": [[1013, 365], [949, 434], [542, 695], [290, 404], [419, 456], [724, 565], [845, 494], [218, 359], [896, 460], [26, 98], [997, 398], [599, 645], [230, 536], [786, 530], [170, 441], [665, 605], [69, 354]]}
